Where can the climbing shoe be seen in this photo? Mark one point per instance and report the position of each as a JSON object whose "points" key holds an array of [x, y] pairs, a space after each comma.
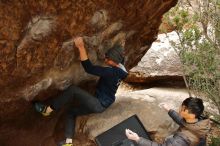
{"points": [[63, 143], [41, 108]]}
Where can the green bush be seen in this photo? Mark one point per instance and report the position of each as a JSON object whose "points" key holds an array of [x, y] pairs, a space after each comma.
{"points": [[215, 141], [198, 29]]}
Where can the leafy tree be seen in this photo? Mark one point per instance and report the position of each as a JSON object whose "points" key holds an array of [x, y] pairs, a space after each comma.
{"points": [[197, 23]]}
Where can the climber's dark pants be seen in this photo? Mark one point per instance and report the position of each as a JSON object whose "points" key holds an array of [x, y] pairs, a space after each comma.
{"points": [[88, 104]]}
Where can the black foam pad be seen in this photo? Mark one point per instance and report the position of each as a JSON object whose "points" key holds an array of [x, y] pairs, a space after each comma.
{"points": [[116, 135]]}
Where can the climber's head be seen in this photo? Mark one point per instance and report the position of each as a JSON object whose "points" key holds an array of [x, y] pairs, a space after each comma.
{"points": [[192, 108], [114, 55]]}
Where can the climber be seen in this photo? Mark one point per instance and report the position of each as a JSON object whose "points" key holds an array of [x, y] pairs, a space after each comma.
{"points": [[192, 131], [110, 78]]}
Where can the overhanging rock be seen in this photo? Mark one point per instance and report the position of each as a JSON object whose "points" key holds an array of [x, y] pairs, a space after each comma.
{"points": [[37, 56]]}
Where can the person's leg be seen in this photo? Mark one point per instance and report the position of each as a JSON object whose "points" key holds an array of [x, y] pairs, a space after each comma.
{"points": [[74, 92], [89, 104], [66, 96], [88, 101], [56, 103], [71, 120]]}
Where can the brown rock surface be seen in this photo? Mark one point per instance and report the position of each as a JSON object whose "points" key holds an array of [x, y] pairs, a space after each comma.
{"points": [[37, 56]]}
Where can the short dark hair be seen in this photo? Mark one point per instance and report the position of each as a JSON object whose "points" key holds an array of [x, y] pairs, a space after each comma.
{"points": [[194, 106]]}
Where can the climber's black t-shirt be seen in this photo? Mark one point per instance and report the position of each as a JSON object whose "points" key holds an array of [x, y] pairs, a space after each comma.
{"points": [[110, 78]]}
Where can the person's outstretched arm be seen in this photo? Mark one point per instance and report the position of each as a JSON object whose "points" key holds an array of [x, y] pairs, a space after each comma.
{"points": [[176, 117], [173, 114], [87, 65]]}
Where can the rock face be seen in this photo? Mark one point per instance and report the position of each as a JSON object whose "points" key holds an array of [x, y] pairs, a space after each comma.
{"points": [[161, 62], [37, 56], [36, 47]]}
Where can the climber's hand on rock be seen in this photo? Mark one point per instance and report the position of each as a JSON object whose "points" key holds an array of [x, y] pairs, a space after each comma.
{"points": [[80, 45], [79, 42]]}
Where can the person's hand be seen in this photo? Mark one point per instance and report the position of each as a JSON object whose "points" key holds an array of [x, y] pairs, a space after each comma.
{"points": [[165, 106], [132, 135], [78, 42]]}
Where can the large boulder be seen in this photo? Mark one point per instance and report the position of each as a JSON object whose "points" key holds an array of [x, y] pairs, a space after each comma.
{"points": [[38, 58], [161, 62]]}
